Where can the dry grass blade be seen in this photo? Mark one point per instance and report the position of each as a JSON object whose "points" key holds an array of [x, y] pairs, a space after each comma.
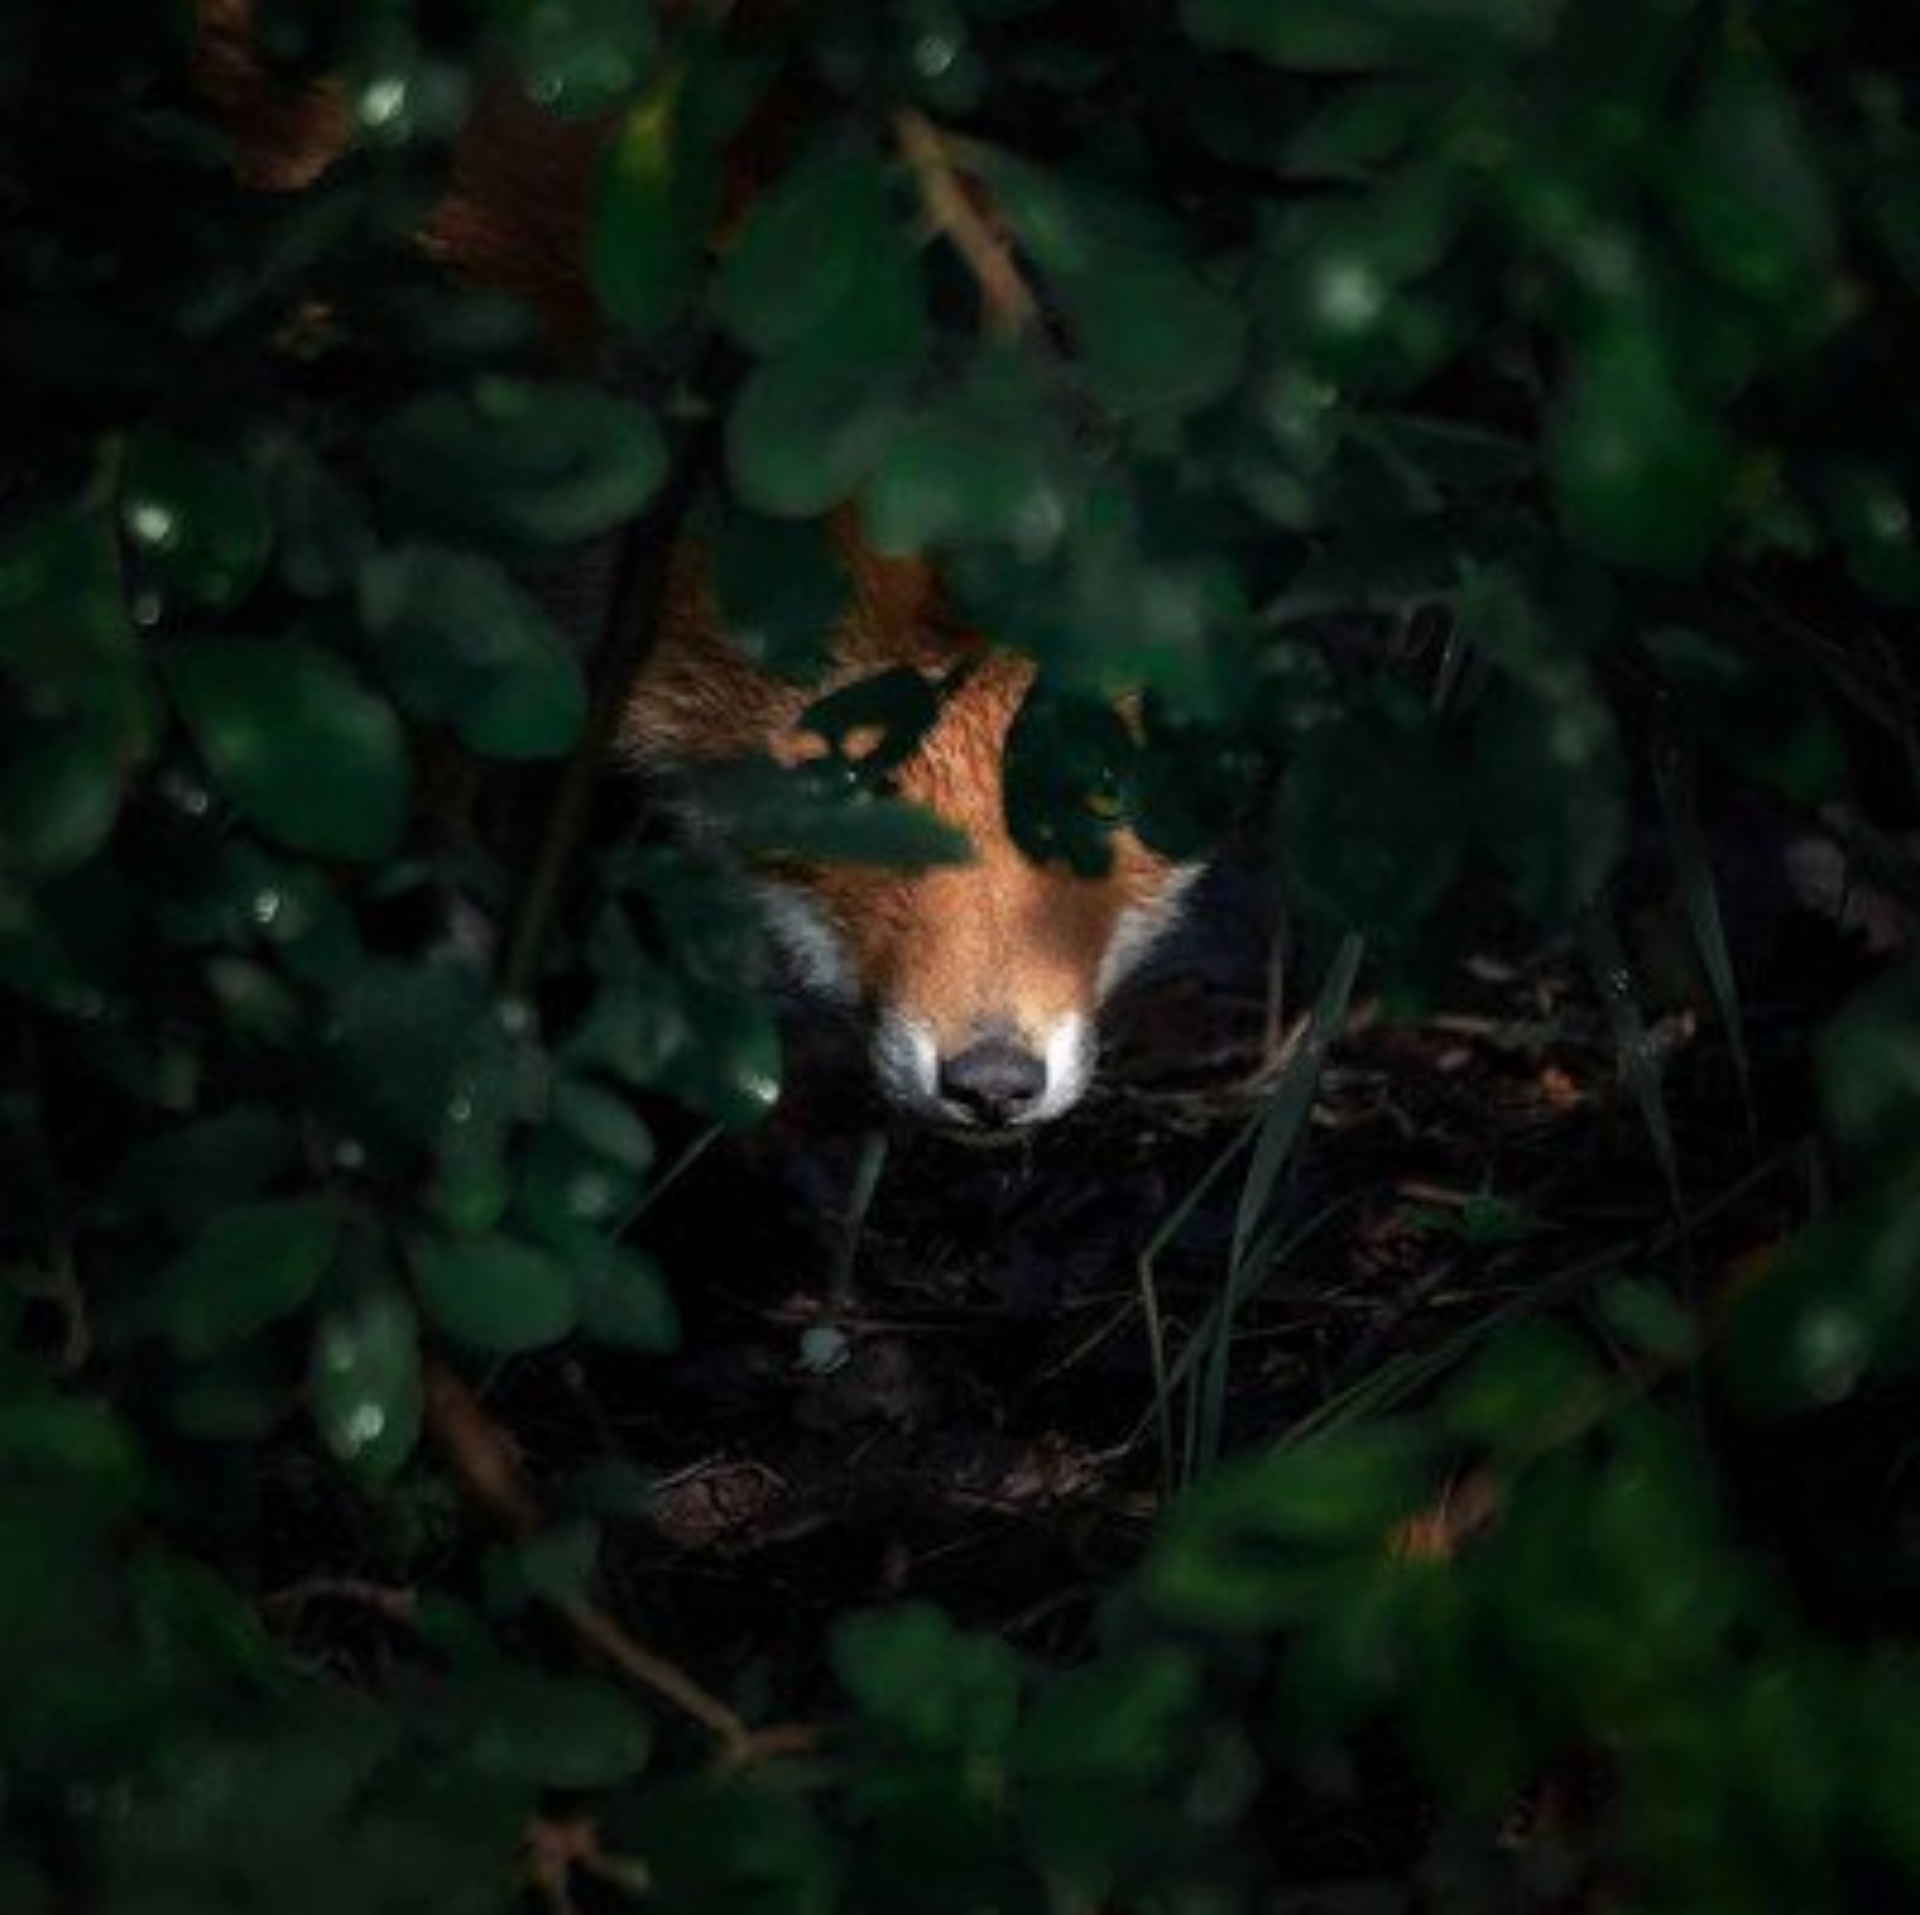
{"points": [[1638, 1053], [1255, 1222]]}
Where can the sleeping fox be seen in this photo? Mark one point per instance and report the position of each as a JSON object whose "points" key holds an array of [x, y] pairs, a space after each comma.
{"points": [[980, 982]]}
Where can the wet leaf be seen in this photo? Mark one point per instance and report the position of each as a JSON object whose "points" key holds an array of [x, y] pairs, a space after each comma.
{"points": [[248, 1268], [524, 463], [364, 1380], [198, 517], [1641, 471], [299, 745], [464, 646], [495, 1294], [654, 199]]}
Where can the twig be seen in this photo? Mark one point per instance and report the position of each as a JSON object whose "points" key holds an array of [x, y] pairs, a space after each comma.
{"points": [[395, 1605], [484, 1462], [1006, 300], [634, 601]]}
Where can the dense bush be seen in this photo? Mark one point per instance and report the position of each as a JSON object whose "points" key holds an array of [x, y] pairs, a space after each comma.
{"points": [[1492, 414]]}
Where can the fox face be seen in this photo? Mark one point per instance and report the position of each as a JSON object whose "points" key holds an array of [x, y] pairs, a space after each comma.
{"points": [[980, 983]]}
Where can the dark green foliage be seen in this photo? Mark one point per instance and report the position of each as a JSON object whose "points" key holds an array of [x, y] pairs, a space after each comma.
{"points": [[1441, 404]]}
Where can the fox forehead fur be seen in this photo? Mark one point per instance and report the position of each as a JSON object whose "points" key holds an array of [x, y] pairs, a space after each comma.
{"points": [[995, 950]]}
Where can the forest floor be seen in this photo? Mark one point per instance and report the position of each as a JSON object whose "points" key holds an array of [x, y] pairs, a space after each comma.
{"points": [[973, 1412]]}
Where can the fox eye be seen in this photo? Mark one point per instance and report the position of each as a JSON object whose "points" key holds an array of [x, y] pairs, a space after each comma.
{"points": [[1105, 800]]}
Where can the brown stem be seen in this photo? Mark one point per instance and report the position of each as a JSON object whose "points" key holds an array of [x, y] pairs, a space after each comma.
{"points": [[484, 1463], [1005, 297], [641, 573]]}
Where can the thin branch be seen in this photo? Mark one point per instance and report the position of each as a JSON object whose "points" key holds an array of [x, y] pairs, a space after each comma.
{"points": [[483, 1461], [634, 602], [1006, 299]]}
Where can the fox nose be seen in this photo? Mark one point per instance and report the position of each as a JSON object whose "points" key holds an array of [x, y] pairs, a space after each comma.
{"points": [[996, 1082]]}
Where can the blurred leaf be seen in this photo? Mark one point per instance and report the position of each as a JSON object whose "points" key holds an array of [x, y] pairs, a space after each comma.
{"points": [[363, 1382], [1641, 472], [1869, 510], [978, 461], [604, 1121], [910, 1671], [1116, 1720], [1549, 799], [495, 1294], [655, 197], [813, 812], [304, 751], [579, 57], [522, 463], [806, 429], [464, 646], [1153, 334], [248, 1268], [199, 518], [1286, 1536], [823, 256], [1869, 1061], [1528, 1391], [397, 1040], [625, 1303], [1750, 196], [60, 798], [1829, 1308], [1373, 815], [782, 591], [1343, 285]]}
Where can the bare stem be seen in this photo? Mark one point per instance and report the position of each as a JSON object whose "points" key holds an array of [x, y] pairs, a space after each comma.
{"points": [[1006, 299]]}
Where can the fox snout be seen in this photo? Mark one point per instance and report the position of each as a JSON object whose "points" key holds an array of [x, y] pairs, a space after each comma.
{"points": [[981, 983], [994, 1081]]}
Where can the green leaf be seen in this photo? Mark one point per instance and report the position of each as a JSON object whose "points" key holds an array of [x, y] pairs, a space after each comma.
{"points": [[604, 1121], [60, 798], [624, 1301], [911, 1671], [1641, 472], [979, 460], [1154, 335], [1283, 1538], [782, 590], [523, 463], [249, 1268], [579, 57], [464, 646], [823, 256], [1344, 286], [816, 812], [1750, 197], [806, 429], [494, 1293], [1117, 1720], [655, 198], [1548, 794], [363, 1382], [399, 1036], [198, 517], [1374, 820], [300, 746]]}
